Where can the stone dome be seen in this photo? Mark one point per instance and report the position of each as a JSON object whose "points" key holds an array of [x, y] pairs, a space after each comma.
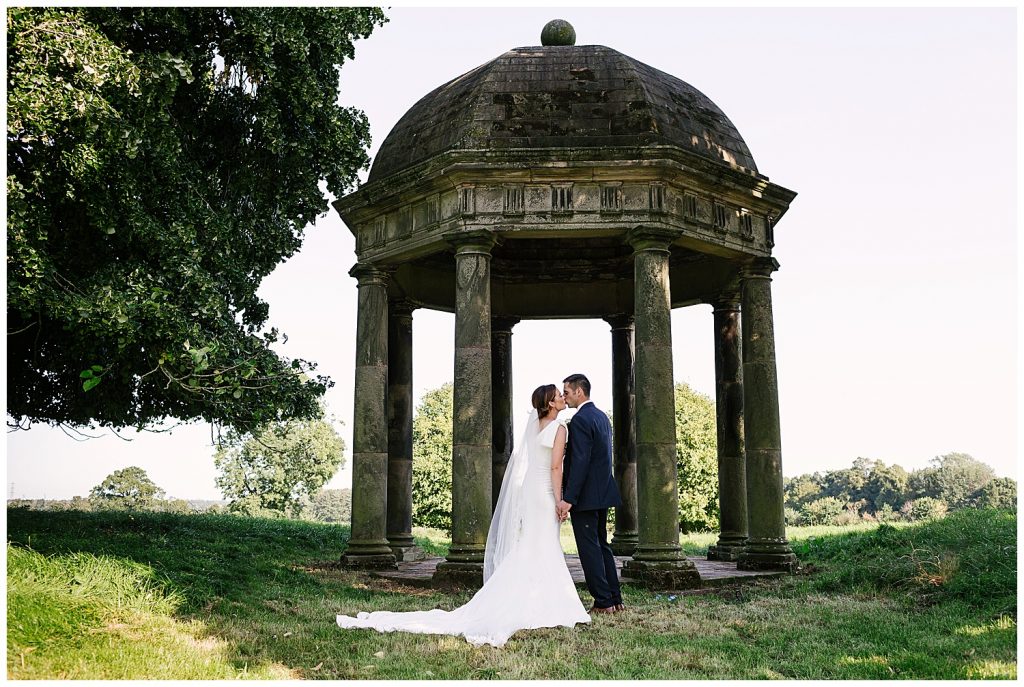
{"points": [[561, 97]]}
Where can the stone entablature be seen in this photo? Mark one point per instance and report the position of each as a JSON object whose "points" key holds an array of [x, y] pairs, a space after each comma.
{"points": [[578, 200]]}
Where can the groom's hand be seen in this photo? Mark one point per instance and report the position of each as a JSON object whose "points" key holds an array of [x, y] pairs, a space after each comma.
{"points": [[563, 508]]}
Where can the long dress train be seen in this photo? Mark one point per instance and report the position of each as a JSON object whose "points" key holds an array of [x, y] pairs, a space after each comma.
{"points": [[526, 582]]}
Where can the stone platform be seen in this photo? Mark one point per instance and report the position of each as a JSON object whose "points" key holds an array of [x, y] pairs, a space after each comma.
{"points": [[712, 573]]}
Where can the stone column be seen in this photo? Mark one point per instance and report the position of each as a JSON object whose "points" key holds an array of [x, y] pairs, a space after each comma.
{"points": [[658, 561], [368, 544], [471, 435], [399, 528], [766, 547], [624, 539], [732, 478], [501, 400]]}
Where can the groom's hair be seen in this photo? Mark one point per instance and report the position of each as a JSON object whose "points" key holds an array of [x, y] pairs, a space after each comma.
{"points": [[578, 381]]}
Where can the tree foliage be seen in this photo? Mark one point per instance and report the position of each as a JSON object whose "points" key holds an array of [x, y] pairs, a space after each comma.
{"points": [[276, 469], [432, 460], [999, 493], [331, 505], [872, 490], [696, 459], [161, 162], [823, 511], [129, 489], [958, 477]]}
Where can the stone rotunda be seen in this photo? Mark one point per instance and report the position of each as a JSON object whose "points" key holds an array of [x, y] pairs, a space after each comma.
{"points": [[580, 173]]}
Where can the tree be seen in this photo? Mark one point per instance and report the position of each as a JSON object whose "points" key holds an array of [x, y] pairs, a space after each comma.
{"points": [[696, 459], [849, 484], [885, 486], [161, 161], [824, 511], [802, 489], [924, 508], [958, 477], [331, 505], [130, 489], [999, 493], [432, 460], [274, 469], [180, 506]]}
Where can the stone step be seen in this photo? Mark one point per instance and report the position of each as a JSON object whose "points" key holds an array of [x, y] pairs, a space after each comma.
{"points": [[712, 573]]}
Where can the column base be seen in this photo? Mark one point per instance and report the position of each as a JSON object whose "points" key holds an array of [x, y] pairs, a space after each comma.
{"points": [[368, 555], [681, 574], [727, 549], [408, 553], [369, 561], [453, 574], [404, 548], [624, 544], [767, 554]]}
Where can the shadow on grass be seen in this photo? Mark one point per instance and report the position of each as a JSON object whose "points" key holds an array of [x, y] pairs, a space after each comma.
{"points": [[270, 590], [244, 579]]}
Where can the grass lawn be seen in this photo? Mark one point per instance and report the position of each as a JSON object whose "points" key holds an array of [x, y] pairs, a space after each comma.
{"points": [[163, 596]]}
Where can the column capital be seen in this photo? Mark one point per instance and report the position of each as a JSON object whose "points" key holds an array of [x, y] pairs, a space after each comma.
{"points": [[651, 238], [503, 325], [759, 268], [476, 241], [369, 274], [620, 321], [401, 307], [727, 300]]}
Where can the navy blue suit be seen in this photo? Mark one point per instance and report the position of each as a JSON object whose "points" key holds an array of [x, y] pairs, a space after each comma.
{"points": [[588, 484]]}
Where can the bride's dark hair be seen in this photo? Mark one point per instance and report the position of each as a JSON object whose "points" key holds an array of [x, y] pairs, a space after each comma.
{"points": [[542, 396]]}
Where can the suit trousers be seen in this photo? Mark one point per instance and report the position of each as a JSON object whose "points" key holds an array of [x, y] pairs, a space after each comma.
{"points": [[589, 527]]}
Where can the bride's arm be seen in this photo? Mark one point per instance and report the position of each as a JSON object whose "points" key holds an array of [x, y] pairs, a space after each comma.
{"points": [[557, 454]]}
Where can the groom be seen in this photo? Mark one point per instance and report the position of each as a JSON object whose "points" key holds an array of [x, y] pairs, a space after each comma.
{"points": [[588, 490]]}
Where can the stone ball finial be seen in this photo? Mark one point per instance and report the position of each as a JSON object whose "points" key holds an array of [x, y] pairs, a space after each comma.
{"points": [[558, 32]]}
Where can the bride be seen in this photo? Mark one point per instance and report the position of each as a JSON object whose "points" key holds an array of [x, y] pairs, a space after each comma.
{"points": [[526, 582]]}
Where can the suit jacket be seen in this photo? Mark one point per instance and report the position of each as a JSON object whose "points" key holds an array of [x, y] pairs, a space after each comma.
{"points": [[587, 480]]}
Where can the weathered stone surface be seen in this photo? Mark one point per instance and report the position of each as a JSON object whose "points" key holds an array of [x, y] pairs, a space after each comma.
{"points": [[625, 537], [400, 415], [766, 546], [501, 401], [732, 479], [579, 96], [368, 545], [472, 449], [658, 500], [662, 575]]}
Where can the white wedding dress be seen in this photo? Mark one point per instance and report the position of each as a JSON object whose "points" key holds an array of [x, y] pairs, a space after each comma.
{"points": [[526, 582]]}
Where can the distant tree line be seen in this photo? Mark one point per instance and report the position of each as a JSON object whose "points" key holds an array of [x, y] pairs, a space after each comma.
{"points": [[872, 491], [131, 489]]}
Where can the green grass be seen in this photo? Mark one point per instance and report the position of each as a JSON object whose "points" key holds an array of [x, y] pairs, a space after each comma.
{"points": [[122, 596]]}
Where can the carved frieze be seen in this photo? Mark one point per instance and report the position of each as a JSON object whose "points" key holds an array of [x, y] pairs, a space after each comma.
{"points": [[515, 200], [467, 200], [561, 199], [746, 222], [656, 197], [611, 198]]}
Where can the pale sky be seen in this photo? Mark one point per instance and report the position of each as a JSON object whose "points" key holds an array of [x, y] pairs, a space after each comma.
{"points": [[896, 305]]}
